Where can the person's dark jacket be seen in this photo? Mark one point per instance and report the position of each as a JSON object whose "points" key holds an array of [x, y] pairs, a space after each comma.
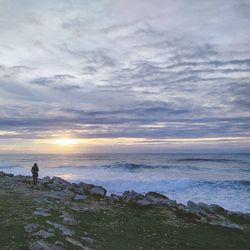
{"points": [[35, 170]]}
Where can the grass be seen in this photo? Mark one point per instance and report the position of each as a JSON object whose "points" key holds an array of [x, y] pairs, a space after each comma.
{"points": [[15, 211], [117, 227], [131, 228]]}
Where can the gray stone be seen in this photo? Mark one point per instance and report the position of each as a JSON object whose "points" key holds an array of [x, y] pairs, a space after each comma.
{"points": [[65, 231], [88, 240], [173, 203], [69, 220], [196, 210], [46, 180], [143, 203], [30, 228], [131, 196], [156, 197], [43, 234], [42, 209], [41, 245], [59, 243], [81, 188], [98, 191], [9, 175], [213, 208], [41, 213], [79, 197], [76, 243], [60, 181], [55, 187], [225, 223], [113, 198]]}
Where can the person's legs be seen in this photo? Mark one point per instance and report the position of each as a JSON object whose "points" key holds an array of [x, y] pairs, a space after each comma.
{"points": [[35, 177]]}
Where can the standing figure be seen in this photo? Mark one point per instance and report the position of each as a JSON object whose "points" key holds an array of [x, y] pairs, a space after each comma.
{"points": [[34, 171]]}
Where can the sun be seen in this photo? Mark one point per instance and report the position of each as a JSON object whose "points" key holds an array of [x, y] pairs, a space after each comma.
{"points": [[66, 142]]}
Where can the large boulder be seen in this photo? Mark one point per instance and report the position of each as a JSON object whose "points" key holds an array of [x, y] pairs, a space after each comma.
{"points": [[195, 209], [81, 188], [212, 209], [131, 196], [98, 192], [60, 181], [58, 184], [156, 198]]}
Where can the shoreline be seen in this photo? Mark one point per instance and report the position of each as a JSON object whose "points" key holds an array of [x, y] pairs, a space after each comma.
{"points": [[54, 195]]}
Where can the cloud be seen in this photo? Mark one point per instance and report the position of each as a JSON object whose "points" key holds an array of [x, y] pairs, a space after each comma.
{"points": [[125, 68]]}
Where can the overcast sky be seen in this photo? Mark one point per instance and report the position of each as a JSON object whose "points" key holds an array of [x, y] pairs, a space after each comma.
{"points": [[138, 75]]}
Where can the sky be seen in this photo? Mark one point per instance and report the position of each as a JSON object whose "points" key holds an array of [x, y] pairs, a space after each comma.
{"points": [[125, 76]]}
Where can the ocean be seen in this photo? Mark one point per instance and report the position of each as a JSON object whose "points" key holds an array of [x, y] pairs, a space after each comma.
{"points": [[223, 179]]}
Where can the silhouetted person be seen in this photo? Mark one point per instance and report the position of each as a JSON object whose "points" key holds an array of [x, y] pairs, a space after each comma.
{"points": [[34, 171]]}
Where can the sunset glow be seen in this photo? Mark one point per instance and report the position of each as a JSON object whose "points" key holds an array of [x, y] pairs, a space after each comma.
{"points": [[65, 142]]}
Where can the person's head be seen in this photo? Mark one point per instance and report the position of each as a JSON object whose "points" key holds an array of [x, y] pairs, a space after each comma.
{"points": [[35, 164]]}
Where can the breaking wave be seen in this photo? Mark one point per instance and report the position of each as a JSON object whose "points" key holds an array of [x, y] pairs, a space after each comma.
{"points": [[7, 166]]}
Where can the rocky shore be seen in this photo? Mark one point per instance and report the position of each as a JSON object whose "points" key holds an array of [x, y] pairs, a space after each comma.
{"points": [[57, 214]]}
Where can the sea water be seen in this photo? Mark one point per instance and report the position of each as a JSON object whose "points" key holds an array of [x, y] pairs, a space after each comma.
{"points": [[223, 179]]}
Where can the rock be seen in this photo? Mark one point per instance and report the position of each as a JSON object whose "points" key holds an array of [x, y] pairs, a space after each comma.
{"points": [[55, 187], [41, 209], [131, 196], [46, 180], [6, 174], [22, 178], [113, 198], [60, 181], [81, 188], [65, 231], [155, 197], [41, 213], [143, 203], [59, 243], [31, 227], [41, 245], [69, 220], [98, 192], [58, 184], [76, 243], [213, 208], [180, 206], [43, 234], [225, 223], [9, 175], [79, 197], [173, 204], [195, 209], [51, 230], [88, 240], [85, 186]]}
